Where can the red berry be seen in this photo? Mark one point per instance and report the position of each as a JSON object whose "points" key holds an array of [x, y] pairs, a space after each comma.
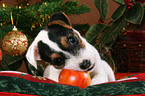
{"points": [[129, 5], [101, 20], [127, 1]]}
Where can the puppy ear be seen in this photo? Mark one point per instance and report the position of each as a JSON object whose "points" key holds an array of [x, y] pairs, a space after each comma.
{"points": [[32, 53], [61, 19]]}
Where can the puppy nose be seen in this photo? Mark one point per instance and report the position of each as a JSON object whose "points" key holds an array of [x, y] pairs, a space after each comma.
{"points": [[85, 64]]}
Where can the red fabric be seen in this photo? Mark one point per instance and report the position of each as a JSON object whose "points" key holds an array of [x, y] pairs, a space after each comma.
{"points": [[14, 94], [124, 75], [141, 77], [137, 35], [138, 77], [28, 77], [132, 95]]}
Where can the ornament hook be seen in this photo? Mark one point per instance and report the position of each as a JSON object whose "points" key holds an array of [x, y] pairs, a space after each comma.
{"points": [[12, 18]]}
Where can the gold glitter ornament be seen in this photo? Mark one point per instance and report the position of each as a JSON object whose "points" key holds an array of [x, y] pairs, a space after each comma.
{"points": [[15, 42]]}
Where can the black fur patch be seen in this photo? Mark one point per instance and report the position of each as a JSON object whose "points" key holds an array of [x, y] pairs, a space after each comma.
{"points": [[47, 54], [63, 34], [56, 33]]}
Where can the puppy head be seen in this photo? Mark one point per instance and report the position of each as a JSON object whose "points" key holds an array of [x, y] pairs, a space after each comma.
{"points": [[61, 46]]}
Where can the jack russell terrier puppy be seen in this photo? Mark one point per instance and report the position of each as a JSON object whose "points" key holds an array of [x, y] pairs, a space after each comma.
{"points": [[64, 48]]}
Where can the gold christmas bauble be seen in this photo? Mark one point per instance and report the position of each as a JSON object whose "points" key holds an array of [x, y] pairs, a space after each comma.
{"points": [[15, 43]]}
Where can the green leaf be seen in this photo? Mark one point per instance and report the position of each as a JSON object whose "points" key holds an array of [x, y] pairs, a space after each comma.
{"points": [[111, 33], [11, 62], [4, 30], [71, 7], [121, 2], [94, 32], [102, 6], [135, 14], [40, 69], [119, 12], [29, 71]]}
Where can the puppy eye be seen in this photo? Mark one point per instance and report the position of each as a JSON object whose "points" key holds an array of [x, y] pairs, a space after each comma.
{"points": [[57, 61], [72, 40]]}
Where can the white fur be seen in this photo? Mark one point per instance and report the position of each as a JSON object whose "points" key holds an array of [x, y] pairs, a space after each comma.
{"points": [[101, 73], [31, 54]]}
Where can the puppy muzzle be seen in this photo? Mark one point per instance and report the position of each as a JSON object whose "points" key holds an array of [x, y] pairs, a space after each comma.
{"points": [[86, 65]]}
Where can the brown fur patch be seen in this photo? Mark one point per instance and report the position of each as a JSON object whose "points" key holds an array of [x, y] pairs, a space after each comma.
{"points": [[61, 23], [80, 41], [83, 45], [66, 17], [64, 41], [43, 63], [55, 55]]}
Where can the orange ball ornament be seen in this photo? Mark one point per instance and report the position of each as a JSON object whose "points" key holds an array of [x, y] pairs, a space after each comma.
{"points": [[75, 78]]}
